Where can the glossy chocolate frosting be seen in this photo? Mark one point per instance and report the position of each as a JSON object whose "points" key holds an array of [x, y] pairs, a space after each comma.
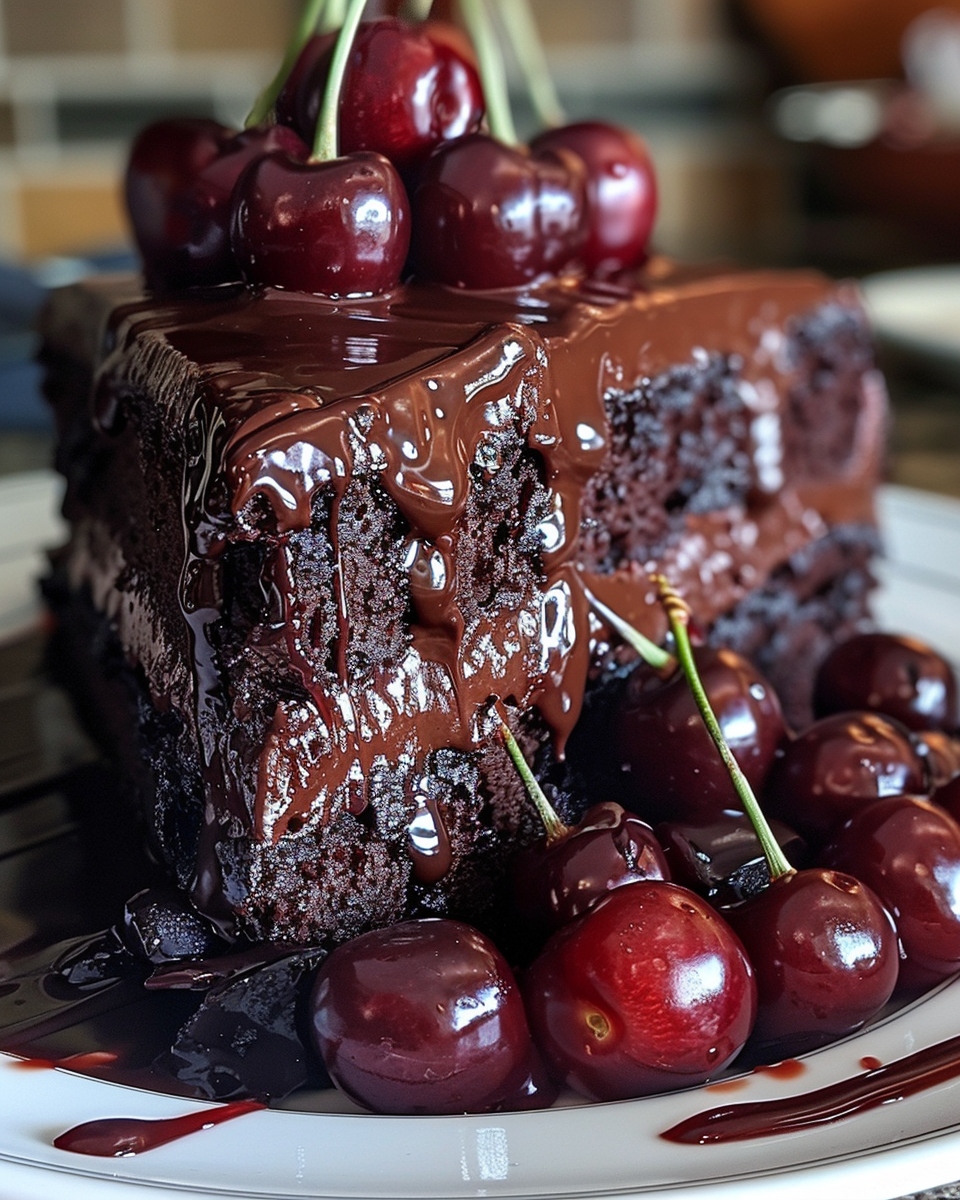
{"points": [[290, 410]]}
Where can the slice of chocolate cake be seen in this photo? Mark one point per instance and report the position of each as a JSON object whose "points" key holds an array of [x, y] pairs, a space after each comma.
{"points": [[311, 540]]}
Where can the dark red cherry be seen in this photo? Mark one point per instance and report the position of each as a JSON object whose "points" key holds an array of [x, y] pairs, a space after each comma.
{"points": [[338, 228], [940, 755], [621, 191], [488, 215], [901, 677], [179, 182], [722, 859], [824, 950], [408, 88], [948, 797], [669, 767], [649, 990], [837, 765], [289, 108], [908, 851], [422, 1017], [555, 881]]}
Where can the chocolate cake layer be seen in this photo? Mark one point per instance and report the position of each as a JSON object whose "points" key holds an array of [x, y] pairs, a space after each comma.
{"points": [[321, 537]]}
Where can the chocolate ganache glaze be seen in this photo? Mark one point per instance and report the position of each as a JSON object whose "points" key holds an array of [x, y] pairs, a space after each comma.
{"points": [[392, 510]]}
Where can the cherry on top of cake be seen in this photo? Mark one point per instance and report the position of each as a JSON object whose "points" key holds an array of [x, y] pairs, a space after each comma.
{"points": [[380, 140]]}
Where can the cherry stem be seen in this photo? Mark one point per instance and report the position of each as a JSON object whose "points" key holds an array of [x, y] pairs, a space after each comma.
{"points": [[333, 15], [492, 72], [556, 830], [652, 654], [418, 10], [325, 146], [678, 615], [527, 45], [309, 19]]}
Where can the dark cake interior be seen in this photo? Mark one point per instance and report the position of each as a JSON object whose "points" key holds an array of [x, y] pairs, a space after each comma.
{"points": [[311, 541]]}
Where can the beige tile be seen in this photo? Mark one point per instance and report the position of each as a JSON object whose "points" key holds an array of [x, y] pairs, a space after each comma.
{"points": [[564, 21], [67, 216], [232, 24], [64, 26]]}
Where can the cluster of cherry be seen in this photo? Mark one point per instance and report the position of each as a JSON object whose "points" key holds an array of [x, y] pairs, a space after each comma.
{"points": [[375, 165], [657, 955]]}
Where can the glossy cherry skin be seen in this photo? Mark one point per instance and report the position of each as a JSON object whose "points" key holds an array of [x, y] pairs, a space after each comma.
{"points": [[607, 848], [339, 228], [407, 89], [621, 192], [948, 797], [837, 765], [422, 1017], [901, 677], [824, 950], [669, 768], [722, 859], [179, 182], [907, 850], [649, 990], [488, 215], [940, 755]]}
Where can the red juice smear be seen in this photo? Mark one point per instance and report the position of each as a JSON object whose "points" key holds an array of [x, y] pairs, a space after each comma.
{"points": [[767, 1118], [121, 1137], [790, 1068], [73, 1062], [869, 1063]]}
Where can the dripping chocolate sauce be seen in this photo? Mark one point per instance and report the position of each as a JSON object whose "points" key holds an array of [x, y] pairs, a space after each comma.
{"points": [[298, 396]]}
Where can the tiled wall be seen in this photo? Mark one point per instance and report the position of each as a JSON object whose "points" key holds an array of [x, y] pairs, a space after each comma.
{"points": [[78, 77]]}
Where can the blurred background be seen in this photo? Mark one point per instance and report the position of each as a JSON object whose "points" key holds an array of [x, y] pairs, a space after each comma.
{"points": [[785, 132]]}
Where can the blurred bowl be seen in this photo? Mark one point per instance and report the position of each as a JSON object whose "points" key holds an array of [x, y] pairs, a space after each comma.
{"points": [[917, 314]]}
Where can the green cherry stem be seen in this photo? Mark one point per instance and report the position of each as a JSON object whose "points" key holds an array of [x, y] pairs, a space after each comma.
{"points": [[310, 16], [333, 15], [527, 45], [652, 654], [326, 143], [555, 829], [492, 72], [417, 10], [678, 615]]}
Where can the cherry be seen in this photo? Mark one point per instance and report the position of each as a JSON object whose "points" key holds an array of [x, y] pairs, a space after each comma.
{"points": [[649, 990], [423, 1017], [179, 182], [408, 88], [339, 228], [722, 859], [940, 755], [837, 765], [948, 797], [908, 851], [489, 215], [899, 676], [621, 192], [554, 882], [825, 953], [822, 945], [289, 107], [669, 766], [566, 872]]}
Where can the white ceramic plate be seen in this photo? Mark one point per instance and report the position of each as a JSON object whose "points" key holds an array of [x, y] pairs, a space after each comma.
{"points": [[577, 1151], [918, 313]]}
